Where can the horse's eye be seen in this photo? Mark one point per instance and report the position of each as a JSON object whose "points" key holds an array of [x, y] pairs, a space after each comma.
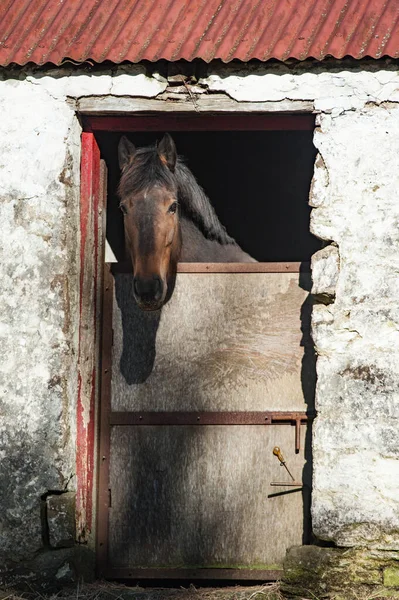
{"points": [[123, 209], [172, 208]]}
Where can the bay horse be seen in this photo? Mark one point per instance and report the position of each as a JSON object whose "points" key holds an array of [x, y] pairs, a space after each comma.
{"points": [[167, 218]]}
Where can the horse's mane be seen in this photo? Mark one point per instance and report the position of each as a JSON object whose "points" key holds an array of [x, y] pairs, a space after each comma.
{"points": [[196, 205], [146, 169]]}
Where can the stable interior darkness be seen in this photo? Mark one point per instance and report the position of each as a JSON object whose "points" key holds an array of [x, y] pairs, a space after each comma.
{"points": [[257, 181]]}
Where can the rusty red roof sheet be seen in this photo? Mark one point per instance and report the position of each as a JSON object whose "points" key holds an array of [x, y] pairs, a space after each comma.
{"points": [[41, 31]]}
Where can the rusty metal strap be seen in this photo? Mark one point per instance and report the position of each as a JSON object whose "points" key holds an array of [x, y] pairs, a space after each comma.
{"points": [[208, 418], [214, 418]]}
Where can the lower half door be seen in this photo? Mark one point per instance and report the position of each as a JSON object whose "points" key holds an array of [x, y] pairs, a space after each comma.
{"points": [[206, 496]]}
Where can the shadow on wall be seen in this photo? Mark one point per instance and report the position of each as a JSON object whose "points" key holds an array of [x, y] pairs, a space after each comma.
{"points": [[139, 334], [308, 381]]}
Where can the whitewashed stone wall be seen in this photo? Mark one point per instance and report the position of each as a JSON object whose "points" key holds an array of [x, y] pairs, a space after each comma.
{"points": [[356, 451], [39, 201], [356, 331]]}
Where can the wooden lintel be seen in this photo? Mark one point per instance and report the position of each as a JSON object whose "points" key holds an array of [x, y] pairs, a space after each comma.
{"points": [[205, 103]]}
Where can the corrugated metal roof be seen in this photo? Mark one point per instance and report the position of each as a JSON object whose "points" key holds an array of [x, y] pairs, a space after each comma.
{"points": [[42, 31]]}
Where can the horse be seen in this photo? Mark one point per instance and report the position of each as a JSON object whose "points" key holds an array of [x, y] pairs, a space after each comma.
{"points": [[167, 218]]}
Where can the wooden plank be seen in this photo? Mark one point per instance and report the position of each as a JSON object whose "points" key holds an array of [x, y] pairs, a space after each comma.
{"points": [[203, 267], [259, 267], [205, 103], [224, 342], [104, 434], [202, 497], [173, 122], [99, 283], [142, 574], [88, 339]]}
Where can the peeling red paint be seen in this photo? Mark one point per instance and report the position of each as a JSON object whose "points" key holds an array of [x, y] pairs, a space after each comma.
{"points": [[89, 224]]}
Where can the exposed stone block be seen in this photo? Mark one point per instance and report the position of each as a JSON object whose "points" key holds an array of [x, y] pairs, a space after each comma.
{"points": [[61, 519], [50, 571], [313, 571], [391, 577], [325, 271]]}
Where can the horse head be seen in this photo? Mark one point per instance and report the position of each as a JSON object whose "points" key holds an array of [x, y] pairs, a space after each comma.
{"points": [[148, 193]]}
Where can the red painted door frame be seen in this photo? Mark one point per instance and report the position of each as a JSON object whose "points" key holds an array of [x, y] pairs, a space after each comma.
{"points": [[91, 259], [201, 122]]}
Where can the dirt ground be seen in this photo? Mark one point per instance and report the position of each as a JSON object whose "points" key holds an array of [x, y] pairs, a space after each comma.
{"points": [[107, 591]]}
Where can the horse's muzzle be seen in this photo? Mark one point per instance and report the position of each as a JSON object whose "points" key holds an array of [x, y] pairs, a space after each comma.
{"points": [[149, 292]]}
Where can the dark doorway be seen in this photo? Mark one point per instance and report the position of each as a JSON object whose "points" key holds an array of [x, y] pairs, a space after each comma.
{"points": [[257, 181]]}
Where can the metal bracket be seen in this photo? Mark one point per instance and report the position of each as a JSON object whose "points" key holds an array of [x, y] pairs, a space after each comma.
{"points": [[215, 418]]}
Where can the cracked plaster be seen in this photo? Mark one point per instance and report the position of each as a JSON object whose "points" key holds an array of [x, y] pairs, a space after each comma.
{"points": [[356, 457], [332, 90]]}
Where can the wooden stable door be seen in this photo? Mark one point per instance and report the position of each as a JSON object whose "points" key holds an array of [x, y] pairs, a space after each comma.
{"points": [[195, 398]]}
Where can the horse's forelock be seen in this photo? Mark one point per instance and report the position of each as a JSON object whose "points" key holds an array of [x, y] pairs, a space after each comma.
{"points": [[145, 170]]}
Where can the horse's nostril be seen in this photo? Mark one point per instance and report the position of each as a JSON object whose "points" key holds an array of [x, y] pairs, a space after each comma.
{"points": [[148, 290]]}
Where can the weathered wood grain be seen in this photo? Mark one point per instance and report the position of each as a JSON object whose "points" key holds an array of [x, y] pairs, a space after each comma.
{"points": [[205, 103], [193, 267], [194, 497], [199, 497], [224, 342]]}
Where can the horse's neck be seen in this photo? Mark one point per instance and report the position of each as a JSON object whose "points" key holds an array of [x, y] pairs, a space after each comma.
{"points": [[197, 248]]}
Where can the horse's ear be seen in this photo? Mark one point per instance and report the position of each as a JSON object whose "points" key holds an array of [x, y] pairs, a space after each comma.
{"points": [[126, 150], [167, 152]]}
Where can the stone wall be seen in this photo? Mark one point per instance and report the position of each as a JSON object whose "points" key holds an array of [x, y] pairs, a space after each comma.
{"points": [[39, 204], [355, 319], [356, 451]]}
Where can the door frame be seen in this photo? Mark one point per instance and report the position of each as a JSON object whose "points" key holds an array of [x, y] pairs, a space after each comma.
{"points": [[96, 293]]}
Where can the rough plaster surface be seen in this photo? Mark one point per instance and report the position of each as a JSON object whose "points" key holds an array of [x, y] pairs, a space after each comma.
{"points": [[355, 450], [333, 88], [39, 203], [123, 81], [355, 200]]}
